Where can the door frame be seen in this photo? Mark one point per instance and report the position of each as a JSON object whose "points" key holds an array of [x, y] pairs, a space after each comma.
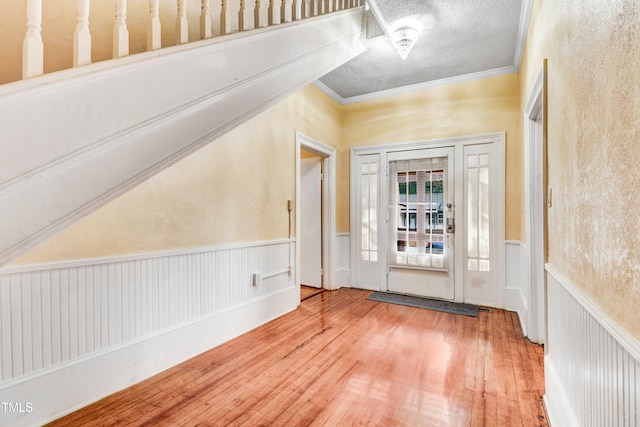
{"points": [[328, 214], [535, 187], [459, 142]]}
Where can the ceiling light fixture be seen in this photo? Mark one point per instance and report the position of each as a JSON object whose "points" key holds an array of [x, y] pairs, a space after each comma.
{"points": [[403, 40]]}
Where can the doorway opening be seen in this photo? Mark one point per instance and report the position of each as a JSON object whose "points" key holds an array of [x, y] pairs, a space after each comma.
{"points": [[429, 218], [536, 214], [315, 214]]}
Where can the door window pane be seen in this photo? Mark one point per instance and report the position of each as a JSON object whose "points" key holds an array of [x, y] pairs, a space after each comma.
{"points": [[369, 206], [478, 223], [417, 194]]}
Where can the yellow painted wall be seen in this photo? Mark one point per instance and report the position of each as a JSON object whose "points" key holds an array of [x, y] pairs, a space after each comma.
{"points": [[593, 51], [233, 190], [479, 106]]}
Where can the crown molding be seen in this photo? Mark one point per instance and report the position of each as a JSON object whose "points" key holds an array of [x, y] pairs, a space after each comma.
{"points": [[523, 29], [410, 88]]}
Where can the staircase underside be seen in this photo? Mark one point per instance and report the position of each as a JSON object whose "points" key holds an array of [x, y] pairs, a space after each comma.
{"points": [[74, 140]]}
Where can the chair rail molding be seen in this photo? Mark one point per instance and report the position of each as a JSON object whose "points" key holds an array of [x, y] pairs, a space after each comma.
{"points": [[90, 328]]}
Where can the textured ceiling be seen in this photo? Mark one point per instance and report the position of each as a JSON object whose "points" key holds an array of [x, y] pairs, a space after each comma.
{"points": [[456, 38]]}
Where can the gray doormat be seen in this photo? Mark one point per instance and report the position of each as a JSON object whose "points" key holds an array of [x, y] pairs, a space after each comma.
{"points": [[429, 304]]}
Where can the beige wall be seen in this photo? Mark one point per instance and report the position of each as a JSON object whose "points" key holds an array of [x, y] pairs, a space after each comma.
{"points": [[233, 190], [479, 106], [593, 51]]}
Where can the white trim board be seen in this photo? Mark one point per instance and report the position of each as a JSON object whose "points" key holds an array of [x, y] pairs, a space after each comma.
{"points": [[112, 322], [415, 87], [126, 143], [523, 29], [459, 142], [89, 379], [630, 344], [329, 237], [29, 268], [592, 368]]}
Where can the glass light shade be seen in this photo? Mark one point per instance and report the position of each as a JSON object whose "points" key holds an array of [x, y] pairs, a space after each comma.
{"points": [[403, 40]]}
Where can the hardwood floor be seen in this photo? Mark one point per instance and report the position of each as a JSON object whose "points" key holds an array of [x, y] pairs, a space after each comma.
{"points": [[341, 360], [308, 292]]}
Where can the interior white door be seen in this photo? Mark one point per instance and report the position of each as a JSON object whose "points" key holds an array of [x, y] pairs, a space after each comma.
{"points": [[310, 238], [421, 223]]}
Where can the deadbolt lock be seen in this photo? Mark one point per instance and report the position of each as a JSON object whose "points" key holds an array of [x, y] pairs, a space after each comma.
{"points": [[451, 225]]}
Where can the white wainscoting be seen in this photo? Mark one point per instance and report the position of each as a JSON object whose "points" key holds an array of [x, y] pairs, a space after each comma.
{"points": [[74, 332], [343, 269], [516, 286], [592, 365]]}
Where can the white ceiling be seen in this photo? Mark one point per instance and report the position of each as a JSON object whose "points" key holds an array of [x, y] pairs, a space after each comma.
{"points": [[458, 40]]}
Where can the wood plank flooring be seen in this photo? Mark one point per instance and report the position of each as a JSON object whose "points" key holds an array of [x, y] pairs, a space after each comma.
{"points": [[308, 292], [340, 360]]}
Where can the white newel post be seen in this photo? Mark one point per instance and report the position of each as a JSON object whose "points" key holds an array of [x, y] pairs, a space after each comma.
{"points": [[205, 21], [82, 36], [154, 35], [258, 19], [32, 48], [120, 32], [182, 26], [241, 26]]}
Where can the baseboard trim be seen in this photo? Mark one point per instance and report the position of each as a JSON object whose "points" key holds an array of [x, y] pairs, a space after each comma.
{"points": [[555, 400], [514, 301], [91, 378]]}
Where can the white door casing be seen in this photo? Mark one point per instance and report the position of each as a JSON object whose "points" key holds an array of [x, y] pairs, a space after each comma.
{"points": [[535, 213], [310, 238], [490, 293], [329, 244]]}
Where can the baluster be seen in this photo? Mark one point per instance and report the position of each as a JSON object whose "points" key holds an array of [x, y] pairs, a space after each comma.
{"points": [[82, 36], [305, 8], [182, 26], [295, 10], [225, 19], [313, 8], [327, 6], [205, 20], [120, 32], [32, 48], [321, 7], [258, 19], [241, 26], [283, 12], [271, 13], [336, 5], [154, 39]]}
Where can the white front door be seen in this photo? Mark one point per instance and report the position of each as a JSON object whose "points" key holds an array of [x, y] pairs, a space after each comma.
{"points": [[421, 223], [311, 222]]}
